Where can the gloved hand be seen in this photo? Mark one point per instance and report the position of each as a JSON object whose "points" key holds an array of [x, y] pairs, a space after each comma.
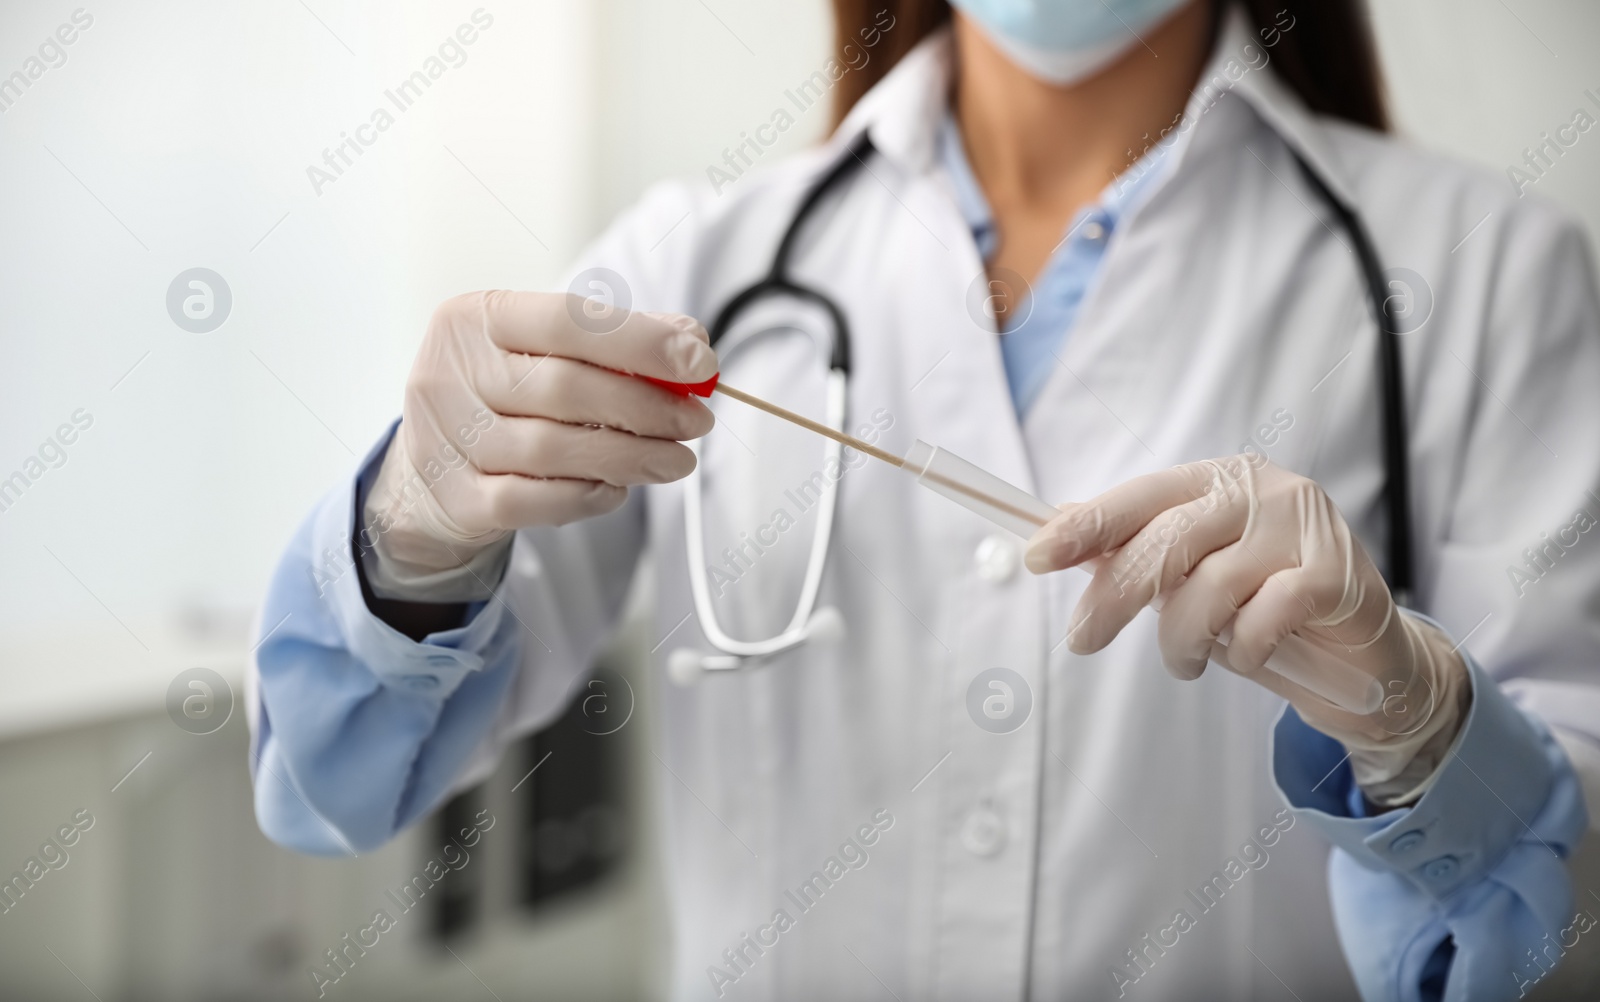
{"points": [[516, 415], [1243, 542]]}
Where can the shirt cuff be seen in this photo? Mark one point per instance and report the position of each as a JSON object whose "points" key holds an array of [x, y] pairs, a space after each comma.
{"points": [[1475, 868], [1501, 769], [391, 578], [432, 669]]}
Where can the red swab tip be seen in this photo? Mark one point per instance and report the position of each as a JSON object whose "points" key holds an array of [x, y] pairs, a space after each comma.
{"points": [[685, 389]]}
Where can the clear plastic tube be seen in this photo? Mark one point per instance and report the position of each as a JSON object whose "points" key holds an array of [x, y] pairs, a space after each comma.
{"points": [[979, 491], [1020, 513]]}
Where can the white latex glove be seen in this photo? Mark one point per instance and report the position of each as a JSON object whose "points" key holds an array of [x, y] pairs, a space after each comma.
{"points": [[1265, 550], [516, 415]]}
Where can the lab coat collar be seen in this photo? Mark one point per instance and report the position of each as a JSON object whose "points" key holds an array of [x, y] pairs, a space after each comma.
{"points": [[1238, 49], [905, 109]]}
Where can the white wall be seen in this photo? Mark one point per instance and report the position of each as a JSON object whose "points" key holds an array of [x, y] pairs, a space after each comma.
{"points": [[189, 127], [678, 84], [1484, 78]]}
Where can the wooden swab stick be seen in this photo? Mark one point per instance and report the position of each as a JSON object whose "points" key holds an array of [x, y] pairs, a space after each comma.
{"points": [[810, 425], [868, 448]]}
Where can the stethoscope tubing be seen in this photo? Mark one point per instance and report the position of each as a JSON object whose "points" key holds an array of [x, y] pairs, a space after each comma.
{"points": [[796, 632]]}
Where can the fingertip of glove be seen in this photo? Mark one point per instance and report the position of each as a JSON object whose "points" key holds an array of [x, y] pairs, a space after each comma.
{"points": [[1037, 558], [1079, 634], [1050, 549], [699, 419], [681, 323], [696, 362], [1187, 671], [686, 348]]}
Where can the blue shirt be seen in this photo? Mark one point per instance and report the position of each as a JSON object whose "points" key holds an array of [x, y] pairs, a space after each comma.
{"points": [[1043, 316]]}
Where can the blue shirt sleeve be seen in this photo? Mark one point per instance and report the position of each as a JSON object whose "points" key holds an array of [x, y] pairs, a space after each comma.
{"points": [[360, 730], [1470, 882]]}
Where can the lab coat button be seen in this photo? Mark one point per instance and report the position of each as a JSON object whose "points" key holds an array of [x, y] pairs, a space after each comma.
{"points": [[1092, 230], [1407, 842], [983, 834], [1440, 869], [421, 683], [996, 558]]}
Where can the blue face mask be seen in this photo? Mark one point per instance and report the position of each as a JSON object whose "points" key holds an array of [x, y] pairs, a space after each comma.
{"points": [[1063, 41]]}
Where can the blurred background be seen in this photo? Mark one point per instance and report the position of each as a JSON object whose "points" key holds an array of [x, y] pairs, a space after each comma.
{"points": [[171, 135]]}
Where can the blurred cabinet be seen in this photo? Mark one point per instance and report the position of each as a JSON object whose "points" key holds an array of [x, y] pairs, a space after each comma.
{"points": [[174, 895]]}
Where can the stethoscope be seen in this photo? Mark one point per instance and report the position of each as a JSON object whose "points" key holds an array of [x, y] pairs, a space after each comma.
{"points": [[809, 622]]}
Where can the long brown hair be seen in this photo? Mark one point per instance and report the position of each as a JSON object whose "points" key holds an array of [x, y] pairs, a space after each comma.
{"points": [[1328, 58]]}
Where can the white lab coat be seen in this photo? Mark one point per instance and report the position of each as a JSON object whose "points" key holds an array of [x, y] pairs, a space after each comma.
{"points": [[1039, 857]]}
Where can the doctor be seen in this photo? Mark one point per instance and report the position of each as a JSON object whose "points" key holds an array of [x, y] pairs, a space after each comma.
{"points": [[1172, 332]]}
